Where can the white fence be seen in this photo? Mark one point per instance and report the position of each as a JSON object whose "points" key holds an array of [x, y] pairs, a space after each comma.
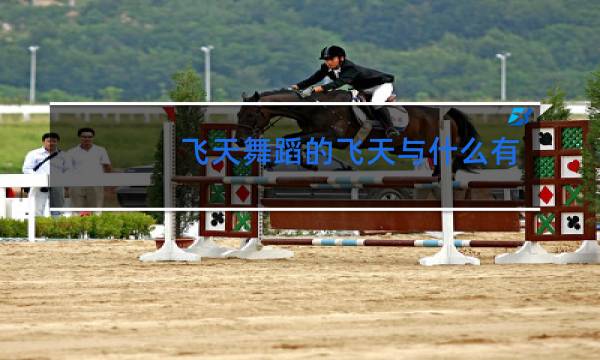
{"points": [[576, 108], [41, 180], [25, 111]]}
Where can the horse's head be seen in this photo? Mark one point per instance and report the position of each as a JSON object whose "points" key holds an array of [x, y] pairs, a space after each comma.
{"points": [[251, 119]]}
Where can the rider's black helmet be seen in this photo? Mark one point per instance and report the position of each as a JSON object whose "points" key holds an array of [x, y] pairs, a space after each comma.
{"points": [[332, 51]]}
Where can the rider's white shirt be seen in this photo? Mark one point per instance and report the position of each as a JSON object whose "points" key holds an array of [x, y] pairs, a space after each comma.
{"points": [[337, 72]]}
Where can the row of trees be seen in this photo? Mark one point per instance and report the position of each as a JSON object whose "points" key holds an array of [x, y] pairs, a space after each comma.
{"points": [[438, 50]]}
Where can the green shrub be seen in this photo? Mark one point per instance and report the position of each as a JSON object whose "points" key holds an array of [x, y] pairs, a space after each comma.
{"points": [[10, 228], [129, 226], [86, 224], [62, 227], [106, 225], [138, 224], [75, 227], [44, 226]]}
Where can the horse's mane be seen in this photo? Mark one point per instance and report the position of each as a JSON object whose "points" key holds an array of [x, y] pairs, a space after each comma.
{"points": [[335, 95], [277, 92]]}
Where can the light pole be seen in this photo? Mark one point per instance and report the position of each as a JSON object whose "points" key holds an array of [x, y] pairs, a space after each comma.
{"points": [[32, 70], [206, 50], [503, 57]]}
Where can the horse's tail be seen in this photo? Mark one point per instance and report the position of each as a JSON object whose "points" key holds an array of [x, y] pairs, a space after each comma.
{"points": [[466, 131]]}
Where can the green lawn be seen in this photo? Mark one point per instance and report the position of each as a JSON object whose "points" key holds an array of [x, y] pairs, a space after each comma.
{"points": [[130, 143], [16, 139]]}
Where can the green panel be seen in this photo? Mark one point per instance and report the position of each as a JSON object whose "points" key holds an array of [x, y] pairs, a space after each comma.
{"points": [[242, 169], [573, 195], [213, 135], [572, 138], [544, 167], [216, 194], [545, 223], [242, 221]]}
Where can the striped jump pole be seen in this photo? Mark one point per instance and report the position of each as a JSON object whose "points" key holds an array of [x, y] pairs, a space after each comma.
{"points": [[390, 243], [342, 181]]}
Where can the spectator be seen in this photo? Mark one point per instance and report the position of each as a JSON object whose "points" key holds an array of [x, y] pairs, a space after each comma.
{"points": [[87, 162], [42, 161]]}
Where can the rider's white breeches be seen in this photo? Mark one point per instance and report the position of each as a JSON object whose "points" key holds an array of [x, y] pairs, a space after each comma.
{"points": [[380, 92]]}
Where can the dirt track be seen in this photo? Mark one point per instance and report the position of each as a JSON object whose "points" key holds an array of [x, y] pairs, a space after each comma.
{"points": [[94, 299]]}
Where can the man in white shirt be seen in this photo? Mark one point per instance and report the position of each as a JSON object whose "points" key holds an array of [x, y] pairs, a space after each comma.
{"points": [[87, 162], [44, 160]]}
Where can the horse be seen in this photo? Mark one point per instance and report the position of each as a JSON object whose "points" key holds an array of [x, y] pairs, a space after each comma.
{"points": [[334, 122]]}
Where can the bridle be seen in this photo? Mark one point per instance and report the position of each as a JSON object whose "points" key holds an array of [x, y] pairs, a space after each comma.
{"points": [[255, 130]]}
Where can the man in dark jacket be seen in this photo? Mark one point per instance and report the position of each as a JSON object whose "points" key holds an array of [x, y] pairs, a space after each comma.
{"points": [[344, 72]]}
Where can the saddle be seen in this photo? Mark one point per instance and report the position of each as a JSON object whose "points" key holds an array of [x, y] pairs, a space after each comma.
{"points": [[366, 114]]}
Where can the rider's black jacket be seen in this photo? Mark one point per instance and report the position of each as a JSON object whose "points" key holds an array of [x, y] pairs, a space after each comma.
{"points": [[357, 76]]}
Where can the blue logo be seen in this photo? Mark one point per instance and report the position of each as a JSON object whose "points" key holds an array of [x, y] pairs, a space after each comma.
{"points": [[520, 116]]}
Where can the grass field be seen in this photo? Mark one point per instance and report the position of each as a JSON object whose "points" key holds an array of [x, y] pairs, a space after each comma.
{"points": [[130, 143], [17, 138]]}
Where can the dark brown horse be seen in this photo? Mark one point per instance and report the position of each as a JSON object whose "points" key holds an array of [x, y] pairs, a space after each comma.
{"points": [[334, 122]]}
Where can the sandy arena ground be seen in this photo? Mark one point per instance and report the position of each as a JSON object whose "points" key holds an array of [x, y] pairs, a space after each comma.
{"points": [[77, 300]]}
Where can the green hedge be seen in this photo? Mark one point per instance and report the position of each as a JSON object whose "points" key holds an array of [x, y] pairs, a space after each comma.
{"points": [[13, 228], [105, 225]]}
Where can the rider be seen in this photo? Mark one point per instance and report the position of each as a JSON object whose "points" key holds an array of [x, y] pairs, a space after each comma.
{"points": [[343, 71]]}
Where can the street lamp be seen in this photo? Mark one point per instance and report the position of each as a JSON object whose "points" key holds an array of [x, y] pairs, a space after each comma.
{"points": [[206, 50], [32, 70], [503, 57]]}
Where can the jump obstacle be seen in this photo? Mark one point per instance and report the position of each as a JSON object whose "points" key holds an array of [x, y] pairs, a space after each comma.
{"points": [[546, 186], [388, 242]]}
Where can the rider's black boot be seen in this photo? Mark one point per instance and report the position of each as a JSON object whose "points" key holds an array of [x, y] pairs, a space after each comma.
{"points": [[383, 115]]}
